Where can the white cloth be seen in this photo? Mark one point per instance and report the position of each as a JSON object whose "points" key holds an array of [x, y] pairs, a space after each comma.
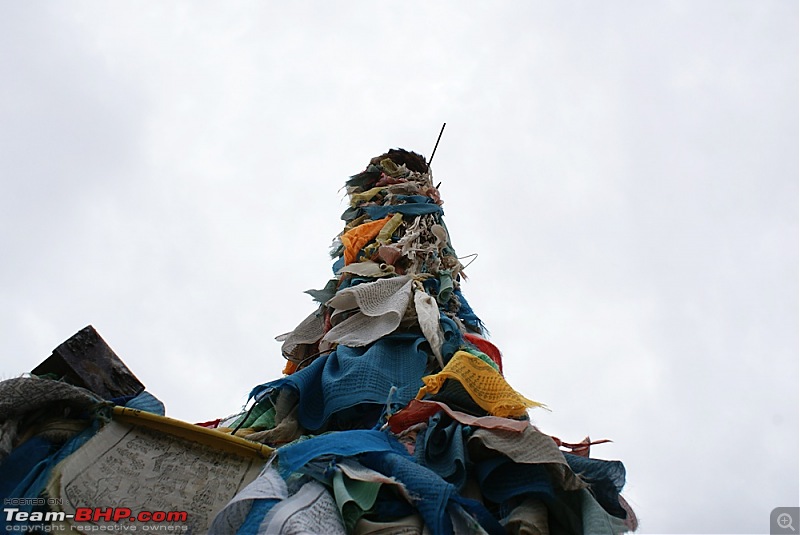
{"points": [[308, 332], [379, 308], [428, 316], [311, 511], [267, 486]]}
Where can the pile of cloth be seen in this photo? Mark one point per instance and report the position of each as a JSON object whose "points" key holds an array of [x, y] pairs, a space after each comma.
{"points": [[393, 414]]}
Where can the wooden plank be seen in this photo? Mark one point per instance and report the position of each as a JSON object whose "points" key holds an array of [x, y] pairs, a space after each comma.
{"points": [[87, 361]]}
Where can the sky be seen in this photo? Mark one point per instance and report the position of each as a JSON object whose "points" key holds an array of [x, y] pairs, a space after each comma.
{"points": [[626, 173]]}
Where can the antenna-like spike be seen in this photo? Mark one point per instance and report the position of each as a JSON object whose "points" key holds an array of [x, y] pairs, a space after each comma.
{"points": [[435, 146]]}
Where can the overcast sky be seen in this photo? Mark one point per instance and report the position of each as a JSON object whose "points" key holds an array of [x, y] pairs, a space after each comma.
{"points": [[626, 172]]}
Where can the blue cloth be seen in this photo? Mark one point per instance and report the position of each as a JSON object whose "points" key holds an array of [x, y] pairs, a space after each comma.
{"points": [[431, 285], [441, 448], [501, 479], [19, 463], [434, 496], [339, 264], [479, 512], [605, 478], [432, 492], [258, 511], [146, 401], [34, 483], [122, 400], [466, 314], [341, 444], [390, 504], [453, 339], [351, 376], [351, 213], [322, 296], [415, 205]]}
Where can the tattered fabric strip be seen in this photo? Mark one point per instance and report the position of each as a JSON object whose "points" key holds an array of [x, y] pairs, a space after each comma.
{"points": [[419, 410], [483, 383], [580, 448]]}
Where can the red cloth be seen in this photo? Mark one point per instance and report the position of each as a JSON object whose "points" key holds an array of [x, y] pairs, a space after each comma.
{"points": [[419, 410], [581, 448], [213, 424], [487, 347]]}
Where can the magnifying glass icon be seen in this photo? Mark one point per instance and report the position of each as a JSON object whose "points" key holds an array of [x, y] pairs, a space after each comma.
{"points": [[785, 521]]}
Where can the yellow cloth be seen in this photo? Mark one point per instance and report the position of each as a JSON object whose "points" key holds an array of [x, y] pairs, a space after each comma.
{"points": [[384, 237], [356, 238], [483, 383], [368, 195]]}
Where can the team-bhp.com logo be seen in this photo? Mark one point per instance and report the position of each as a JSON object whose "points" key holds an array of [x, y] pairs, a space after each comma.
{"points": [[87, 519]]}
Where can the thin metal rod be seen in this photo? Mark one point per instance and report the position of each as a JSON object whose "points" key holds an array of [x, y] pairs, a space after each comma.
{"points": [[437, 144]]}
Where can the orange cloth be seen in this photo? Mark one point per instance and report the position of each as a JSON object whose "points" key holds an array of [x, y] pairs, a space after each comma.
{"points": [[357, 237]]}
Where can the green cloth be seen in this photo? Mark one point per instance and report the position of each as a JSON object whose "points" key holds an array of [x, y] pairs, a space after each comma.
{"points": [[353, 497], [261, 417], [483, 356]]}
